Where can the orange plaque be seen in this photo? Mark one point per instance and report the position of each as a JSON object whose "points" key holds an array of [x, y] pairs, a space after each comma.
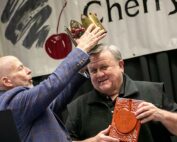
{"points": [[124, 124]]}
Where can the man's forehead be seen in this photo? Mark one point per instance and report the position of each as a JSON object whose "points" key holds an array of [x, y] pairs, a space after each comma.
{"points": [[7, 65], [7, 59], [12, 62], [100, 60]]}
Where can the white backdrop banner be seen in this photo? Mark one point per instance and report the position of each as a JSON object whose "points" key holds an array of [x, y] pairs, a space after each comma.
{"points": [[137, 27]]}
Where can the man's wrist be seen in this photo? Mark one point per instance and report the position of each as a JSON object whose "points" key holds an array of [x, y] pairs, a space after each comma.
{"points": [[82, 50]]}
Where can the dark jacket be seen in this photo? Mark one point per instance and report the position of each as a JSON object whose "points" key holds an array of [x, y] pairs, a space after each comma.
{"points": [[91, 113]]}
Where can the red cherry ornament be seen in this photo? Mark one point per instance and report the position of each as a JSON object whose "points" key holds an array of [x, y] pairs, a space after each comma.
{"points": [[58, 46]]}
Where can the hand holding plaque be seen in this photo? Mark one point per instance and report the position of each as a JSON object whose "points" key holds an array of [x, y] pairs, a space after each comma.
{"points": [[125, 126]]}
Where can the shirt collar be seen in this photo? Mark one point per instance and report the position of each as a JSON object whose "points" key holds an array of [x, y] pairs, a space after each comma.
{"points": [[128, 87]]}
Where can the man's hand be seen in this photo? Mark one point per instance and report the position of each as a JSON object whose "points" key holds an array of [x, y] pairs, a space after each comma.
{"points": [[103, 136], [147, 112], [90, 38]]}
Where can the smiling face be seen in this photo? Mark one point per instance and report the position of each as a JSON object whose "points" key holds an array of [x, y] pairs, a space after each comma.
{"points": [[15, 74], [106, 72]]}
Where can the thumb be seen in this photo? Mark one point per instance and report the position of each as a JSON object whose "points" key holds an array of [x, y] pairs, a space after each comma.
{"points": [[106, 131]]}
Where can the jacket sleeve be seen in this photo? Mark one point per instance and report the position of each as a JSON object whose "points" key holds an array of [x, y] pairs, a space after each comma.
{"points": [[65, 97], [34, 101]]}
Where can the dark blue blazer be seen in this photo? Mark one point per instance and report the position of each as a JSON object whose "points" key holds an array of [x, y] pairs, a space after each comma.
{"points": [[34, 119]]}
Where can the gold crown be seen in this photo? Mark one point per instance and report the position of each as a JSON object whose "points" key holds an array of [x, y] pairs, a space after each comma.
{"points": [[77, 29], [91, 18]]}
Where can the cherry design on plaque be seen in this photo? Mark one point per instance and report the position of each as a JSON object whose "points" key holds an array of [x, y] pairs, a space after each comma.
{"points": [[125, 126], [127, 122], [58, 45]]}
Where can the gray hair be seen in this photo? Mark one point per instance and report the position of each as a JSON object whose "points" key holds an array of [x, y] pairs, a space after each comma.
{"points": [[111, 48]]}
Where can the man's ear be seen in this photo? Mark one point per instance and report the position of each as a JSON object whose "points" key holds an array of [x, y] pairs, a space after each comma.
{"points": [[121, 64], [6, 82]]}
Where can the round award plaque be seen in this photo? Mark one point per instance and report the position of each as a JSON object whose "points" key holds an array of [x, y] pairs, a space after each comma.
{"points": [[125, 121]]}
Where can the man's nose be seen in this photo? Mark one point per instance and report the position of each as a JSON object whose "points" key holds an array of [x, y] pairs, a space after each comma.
{"points": [[28, 71], [100, 73]]}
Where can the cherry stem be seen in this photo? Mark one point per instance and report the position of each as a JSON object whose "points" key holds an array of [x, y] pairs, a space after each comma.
{"points": [[60, 14]]}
